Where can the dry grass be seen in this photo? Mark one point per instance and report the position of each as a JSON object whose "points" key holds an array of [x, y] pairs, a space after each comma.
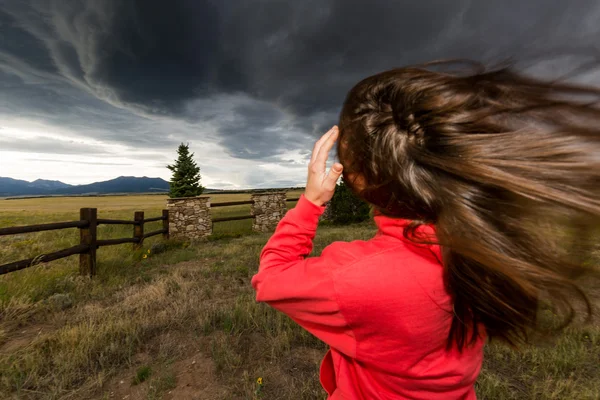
{"points": [[206, 303], [59, 205], [44, 281], [186, 322], [51, 205]]}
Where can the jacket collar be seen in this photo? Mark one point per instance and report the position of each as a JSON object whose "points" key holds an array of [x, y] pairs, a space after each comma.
{"points": [[394, 228]]}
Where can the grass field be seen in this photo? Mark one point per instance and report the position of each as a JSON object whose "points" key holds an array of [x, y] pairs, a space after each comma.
{"points": [[46, 280], [183, 324]]}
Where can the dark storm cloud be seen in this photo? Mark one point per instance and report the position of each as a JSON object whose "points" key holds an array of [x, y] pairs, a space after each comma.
{"points": [[306, 55], [139, 52], [244, 133], [267, 76], [61, 105]]}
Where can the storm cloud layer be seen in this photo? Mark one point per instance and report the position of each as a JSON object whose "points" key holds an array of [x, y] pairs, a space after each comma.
{"points": [[249, 83]]}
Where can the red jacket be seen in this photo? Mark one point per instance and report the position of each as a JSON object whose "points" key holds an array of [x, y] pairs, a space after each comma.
{"points": [[379, 304]]}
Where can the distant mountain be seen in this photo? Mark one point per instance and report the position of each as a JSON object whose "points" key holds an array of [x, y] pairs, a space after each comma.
{"points": [[16, 187], [123, 184], [9, 186], [50, 185]]}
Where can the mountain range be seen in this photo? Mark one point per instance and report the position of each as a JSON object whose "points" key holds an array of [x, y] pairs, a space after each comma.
{"points": [[122, 184]]}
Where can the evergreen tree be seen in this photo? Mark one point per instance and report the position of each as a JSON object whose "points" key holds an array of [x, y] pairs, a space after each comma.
{"points": [[185, 181], [346, 207]]}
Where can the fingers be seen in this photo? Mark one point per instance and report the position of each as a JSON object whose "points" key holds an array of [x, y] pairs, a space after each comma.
{"points": [[320, 142], [326, 146], [332, 177]]}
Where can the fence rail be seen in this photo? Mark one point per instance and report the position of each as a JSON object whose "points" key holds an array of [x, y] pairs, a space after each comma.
{"points": [[18, 265], [153, 219], [16, 230], [88, 236], [237, 203], [224, 219], [231, 203], [115, 222]]}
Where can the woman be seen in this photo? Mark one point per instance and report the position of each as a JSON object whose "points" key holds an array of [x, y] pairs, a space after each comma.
{"points": [[474, 180]]}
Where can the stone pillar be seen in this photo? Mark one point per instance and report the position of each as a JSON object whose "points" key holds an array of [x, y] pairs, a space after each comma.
{"points": [[267, 209], [189, 217]]}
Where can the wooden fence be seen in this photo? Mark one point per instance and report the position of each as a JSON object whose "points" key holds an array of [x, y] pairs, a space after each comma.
{"points": [[237, 203], [88, 237]]}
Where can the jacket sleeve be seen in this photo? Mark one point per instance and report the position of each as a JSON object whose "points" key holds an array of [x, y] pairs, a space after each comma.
{"points": [[303, 287]]}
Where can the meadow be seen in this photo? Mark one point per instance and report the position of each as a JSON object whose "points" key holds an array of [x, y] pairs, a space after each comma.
{"points": [[182, 322]]}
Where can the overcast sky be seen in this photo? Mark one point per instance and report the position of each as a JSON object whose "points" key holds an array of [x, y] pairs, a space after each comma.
{"points": [[94, 89]]}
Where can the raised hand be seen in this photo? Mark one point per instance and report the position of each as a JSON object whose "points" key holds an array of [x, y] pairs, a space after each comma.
{"points": [[320, 184]]}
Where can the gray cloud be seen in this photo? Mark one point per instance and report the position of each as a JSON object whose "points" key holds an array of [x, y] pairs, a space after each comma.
{"points": [[48, 145], [269, 180], [258, 78], [78, 162]]}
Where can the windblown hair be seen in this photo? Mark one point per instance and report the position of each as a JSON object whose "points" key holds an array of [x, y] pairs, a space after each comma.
{"points": [[506, 167]]}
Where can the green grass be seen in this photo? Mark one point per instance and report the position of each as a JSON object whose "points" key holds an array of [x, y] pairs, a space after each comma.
{"points": [[142, 375], [188, 315]]}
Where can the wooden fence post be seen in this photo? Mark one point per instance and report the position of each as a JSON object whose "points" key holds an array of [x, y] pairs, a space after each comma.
{"points": [[88, 236], [165, 224], [138, 229]]}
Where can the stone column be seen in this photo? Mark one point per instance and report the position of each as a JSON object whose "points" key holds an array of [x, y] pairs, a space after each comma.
{"points": [[267, 209], [189, 217]]}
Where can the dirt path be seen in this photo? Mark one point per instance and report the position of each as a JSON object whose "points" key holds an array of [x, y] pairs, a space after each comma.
{"points": [[194, 379]]}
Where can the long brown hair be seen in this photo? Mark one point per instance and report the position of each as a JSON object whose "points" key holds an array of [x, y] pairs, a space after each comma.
{"points": [[504, 165]]}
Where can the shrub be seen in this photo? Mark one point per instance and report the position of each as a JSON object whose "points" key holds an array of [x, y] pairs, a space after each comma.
{"points": [[346, 207], [142, 374]]}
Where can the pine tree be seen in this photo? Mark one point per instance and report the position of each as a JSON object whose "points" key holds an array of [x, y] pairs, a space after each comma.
{"points": [[346, 207], [185, 181]]}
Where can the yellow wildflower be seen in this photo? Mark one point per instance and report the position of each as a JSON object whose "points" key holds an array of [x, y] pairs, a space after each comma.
{"points": [[148, 251], [145, 256], [259, 381]]}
